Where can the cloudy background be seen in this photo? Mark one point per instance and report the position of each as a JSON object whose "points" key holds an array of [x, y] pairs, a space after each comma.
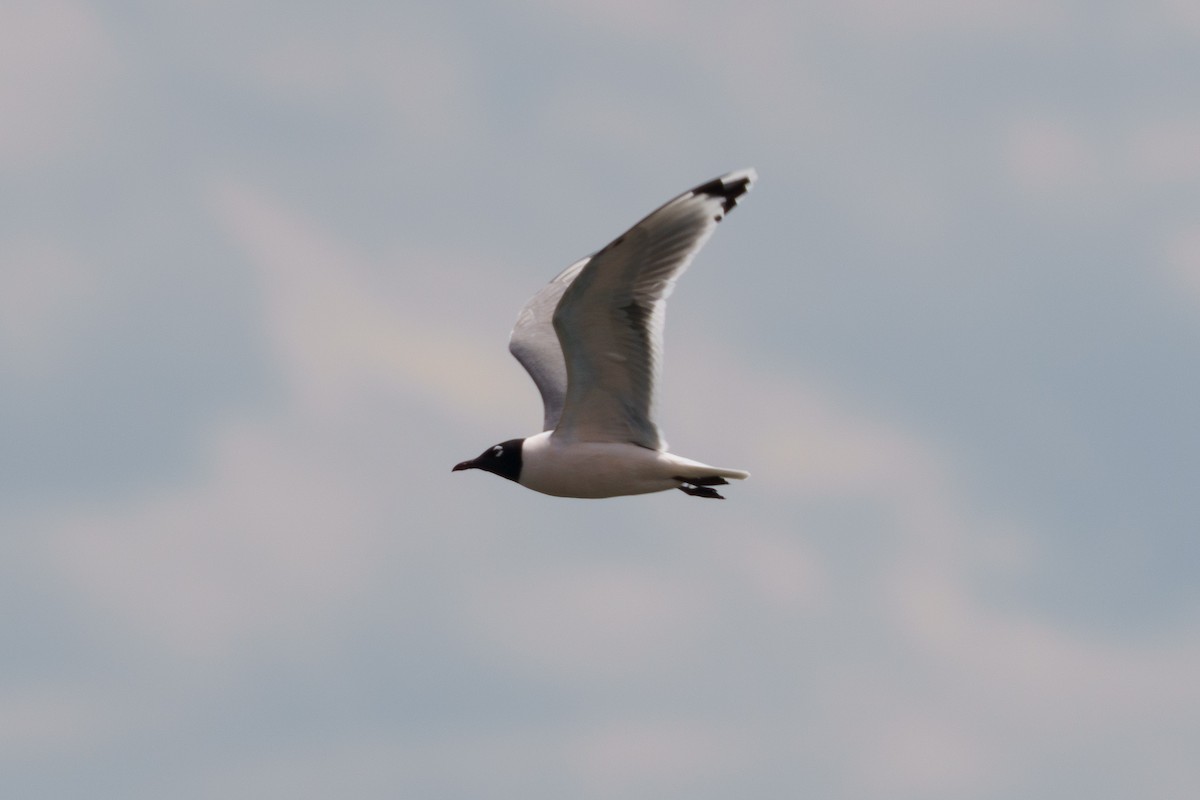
{"points": [[258, 264]]}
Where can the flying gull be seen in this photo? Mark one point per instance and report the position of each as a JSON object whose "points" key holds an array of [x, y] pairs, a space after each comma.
{"points": [[592, 342]]}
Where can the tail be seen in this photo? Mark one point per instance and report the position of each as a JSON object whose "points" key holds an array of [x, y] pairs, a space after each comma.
{"points": [[704, 475], [736, 474], [685, 469]]}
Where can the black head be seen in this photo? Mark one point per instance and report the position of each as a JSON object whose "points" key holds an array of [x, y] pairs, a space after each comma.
{"points": [[502, 459]]}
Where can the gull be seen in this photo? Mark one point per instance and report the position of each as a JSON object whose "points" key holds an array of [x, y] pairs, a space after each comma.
{"points": [[592, 342]]}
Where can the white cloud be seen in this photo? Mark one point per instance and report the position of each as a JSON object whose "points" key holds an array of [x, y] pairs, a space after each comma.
{"points": [[279, 535], [959, 677], [48, 296], [639, 756], [894, 18], [917, 753], [652, 21], [1166, 151], [249, 553], [595, 761], [576, 620], [733, 34], [47, 720], [830, 613], [1181, 15], [1049, 157], [1071, 162], [779, 571], [57, 66], [421, 76], [276, 528], [1182, 256], [592, 117], [340, 320]]}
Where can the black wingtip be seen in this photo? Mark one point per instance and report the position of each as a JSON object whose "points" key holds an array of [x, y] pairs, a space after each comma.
{"points": [[728, 187]]}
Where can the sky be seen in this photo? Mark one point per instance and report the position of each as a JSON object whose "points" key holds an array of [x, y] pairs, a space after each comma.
{"points": [[258, 265]]}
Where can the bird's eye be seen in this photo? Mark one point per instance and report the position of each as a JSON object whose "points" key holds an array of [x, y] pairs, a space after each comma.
{"points": [[497, 451]]}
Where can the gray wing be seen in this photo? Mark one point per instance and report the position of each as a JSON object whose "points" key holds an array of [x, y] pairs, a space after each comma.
{"points": [[610, 318], [535, 344]]}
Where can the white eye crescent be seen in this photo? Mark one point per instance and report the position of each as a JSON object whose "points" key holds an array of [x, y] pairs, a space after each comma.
{"points": [[497, 451]]}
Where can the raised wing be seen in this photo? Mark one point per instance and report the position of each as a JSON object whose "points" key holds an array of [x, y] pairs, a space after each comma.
{"points": [[535, 344], [610, 318]]}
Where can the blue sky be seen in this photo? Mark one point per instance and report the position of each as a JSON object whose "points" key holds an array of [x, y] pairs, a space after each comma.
{"points": [[258, 264]]}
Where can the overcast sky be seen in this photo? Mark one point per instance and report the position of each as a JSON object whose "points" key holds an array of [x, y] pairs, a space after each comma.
{"points": [[258, 265]]}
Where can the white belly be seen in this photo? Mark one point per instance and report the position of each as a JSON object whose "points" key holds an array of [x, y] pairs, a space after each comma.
{"points": [[596, 469]]}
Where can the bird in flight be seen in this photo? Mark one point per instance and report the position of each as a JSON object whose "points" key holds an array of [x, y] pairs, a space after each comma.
{"points": [[592, 342]]}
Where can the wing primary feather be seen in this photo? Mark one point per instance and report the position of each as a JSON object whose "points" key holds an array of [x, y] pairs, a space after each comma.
{"points": [[535, 345], [609, 320]]}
